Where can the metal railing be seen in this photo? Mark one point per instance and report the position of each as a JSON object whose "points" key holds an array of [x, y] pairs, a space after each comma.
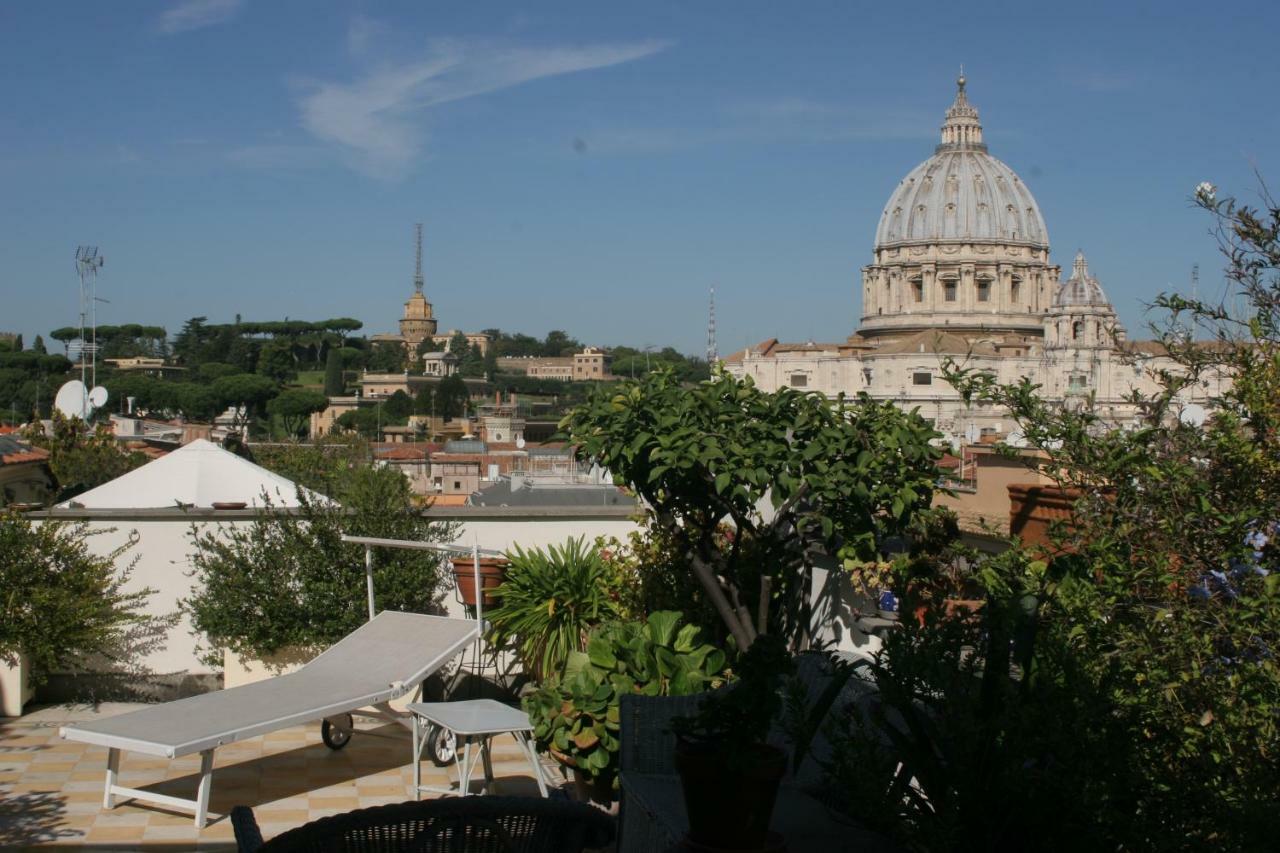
{"points": [[371, 542]]}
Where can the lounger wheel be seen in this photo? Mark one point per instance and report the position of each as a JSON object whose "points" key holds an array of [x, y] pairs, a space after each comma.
{"points": [[337, 736], [442, 745]]}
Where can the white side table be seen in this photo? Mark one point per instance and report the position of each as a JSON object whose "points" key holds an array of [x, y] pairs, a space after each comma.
{"points": [[472, 720]]}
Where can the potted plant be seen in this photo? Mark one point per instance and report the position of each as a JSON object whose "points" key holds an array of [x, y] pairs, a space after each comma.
{"points": [[61, 603], [270, 594], [576, 718], [493, 571], [549, 602], [728, 770]]}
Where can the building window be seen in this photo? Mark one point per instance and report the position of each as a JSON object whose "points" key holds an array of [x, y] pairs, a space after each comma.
{"points": [[984, 291], [917, 290], [866, 375], [799, 380], [1013, 291], [457, 485], [1077, 330], [949, 291], [922, 377], [1078, 382]]}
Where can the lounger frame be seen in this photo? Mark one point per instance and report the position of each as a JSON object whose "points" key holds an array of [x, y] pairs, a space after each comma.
{"points": [[375, 704]]}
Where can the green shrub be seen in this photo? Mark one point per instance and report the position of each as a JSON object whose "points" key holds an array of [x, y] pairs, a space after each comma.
{"points": [[578, 716], [549, 601], [60, 603], [287, 579], [792, 473]]}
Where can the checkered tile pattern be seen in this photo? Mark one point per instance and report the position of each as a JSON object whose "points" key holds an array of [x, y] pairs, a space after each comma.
{"points": [[51, 789]]}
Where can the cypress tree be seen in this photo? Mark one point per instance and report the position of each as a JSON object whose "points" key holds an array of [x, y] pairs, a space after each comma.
{"points": [[334, 385], [38, 346]]}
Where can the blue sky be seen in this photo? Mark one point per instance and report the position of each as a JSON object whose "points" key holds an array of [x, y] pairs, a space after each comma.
{"points": [[589, 166]]}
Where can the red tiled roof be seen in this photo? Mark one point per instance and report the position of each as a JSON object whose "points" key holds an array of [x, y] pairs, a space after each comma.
{"points": [[401, 451], [13, 452]]}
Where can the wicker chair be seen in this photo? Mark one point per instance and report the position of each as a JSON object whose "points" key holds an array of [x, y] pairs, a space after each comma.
{"points": [[447, 825]]}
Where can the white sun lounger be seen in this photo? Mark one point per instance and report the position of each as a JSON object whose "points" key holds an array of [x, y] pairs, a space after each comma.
{"points": [[382, 660]]}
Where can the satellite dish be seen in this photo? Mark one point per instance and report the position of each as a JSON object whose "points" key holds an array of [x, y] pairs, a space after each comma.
{"points": [[72, 400], [1193, 414], [1016, 439], [520, 443], [98, 397]]}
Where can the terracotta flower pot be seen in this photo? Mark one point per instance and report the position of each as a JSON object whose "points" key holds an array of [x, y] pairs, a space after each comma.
{"points": [[729, 801], [492, 572]]}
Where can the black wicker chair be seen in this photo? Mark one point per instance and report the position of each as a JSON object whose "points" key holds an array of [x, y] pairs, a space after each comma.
{"points": [[447, 825]]}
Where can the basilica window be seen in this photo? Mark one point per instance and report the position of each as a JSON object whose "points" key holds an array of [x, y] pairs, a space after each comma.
{"points": [[984, 291], [922, 377], [1077, 330], [1078, 382], [799, 380], [949, 290], [1013, 290], [917, 290], [866, 375]]}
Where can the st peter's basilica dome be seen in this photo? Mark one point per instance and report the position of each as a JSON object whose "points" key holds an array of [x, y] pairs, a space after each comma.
{"points": [[962, 193]]}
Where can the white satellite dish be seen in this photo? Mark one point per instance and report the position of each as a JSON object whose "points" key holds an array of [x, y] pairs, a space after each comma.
{"points": [[98, 397], [1193, 414], [520, 443], [72, 400]]}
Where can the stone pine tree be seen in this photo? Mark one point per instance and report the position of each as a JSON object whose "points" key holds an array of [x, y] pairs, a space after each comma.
{"points": [[334, 385]]}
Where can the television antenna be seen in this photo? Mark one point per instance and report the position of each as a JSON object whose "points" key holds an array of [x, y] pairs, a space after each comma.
{"points": [[88, 262], [78, 398], [713, 355]]}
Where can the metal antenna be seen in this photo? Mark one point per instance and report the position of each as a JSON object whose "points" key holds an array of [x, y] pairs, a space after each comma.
{"points": [[712, 355], [417, 260], [1195, 282], [88, 262]]}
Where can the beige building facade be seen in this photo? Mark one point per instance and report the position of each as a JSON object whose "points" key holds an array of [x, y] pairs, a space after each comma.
{"points": [[961, 269], [590, 365]]}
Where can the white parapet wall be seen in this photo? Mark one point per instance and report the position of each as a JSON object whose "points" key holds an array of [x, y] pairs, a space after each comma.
{"points": [[162, 550]]}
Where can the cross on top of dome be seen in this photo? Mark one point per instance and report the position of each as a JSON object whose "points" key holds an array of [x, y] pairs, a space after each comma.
{"points": [[962, 129]]}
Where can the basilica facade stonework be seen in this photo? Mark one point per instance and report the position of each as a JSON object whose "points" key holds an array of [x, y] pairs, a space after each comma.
{"points": [[961, 269]]}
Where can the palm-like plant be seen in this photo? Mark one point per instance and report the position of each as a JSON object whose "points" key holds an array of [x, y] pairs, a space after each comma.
{"points": [[549, 601]]}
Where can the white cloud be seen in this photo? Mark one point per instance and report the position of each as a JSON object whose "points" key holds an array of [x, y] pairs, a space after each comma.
{"points": [[195, 14], [362, 31], [377, 119]]}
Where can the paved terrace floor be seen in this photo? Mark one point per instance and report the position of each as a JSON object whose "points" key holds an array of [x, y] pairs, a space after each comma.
{"points": [[51, 789]]}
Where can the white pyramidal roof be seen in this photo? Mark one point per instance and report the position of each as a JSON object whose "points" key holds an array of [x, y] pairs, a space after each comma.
{"points": [[198, 474]]}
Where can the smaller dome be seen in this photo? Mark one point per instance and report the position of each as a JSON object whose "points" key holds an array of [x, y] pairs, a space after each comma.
{"points": [[1081, 289]]}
